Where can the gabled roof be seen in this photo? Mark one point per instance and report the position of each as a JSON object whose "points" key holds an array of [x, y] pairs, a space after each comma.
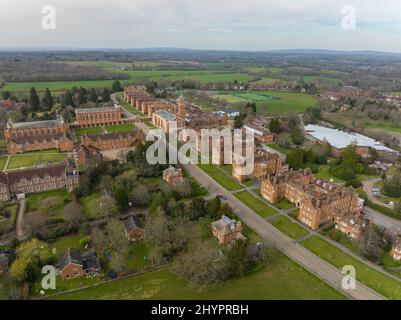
{"points": [[70, 256], [67, 166], [132, 223]]}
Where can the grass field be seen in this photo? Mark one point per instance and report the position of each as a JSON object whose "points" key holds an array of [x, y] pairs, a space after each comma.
{"points": [[94, 130], [288, 227], [255, 204], [384, 126], [287, 102], [3, 161], [223, 179], [202, 76], [372, 278], [34, 200], [57, 85], [29, 160], [283, 279]]}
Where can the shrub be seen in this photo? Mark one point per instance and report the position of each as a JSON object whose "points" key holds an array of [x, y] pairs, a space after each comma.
{"points": [[342, 172], [355, 183]]}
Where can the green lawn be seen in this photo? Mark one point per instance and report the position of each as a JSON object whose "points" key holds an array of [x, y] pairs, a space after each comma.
{"points": [[34, 200], [96, 130], [372, 278], [288, 227], [286, 102], [29, 160], [284, 204], [283, 279], [3, 161], [255, 204], [137, 257], [227, 182]]}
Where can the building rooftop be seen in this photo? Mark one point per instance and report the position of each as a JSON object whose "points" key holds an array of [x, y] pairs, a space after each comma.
{"points": [[340, 139], [166, 115], [37, 124], [95, 110]]}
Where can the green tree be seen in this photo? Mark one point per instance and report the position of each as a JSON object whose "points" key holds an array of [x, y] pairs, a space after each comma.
{"points": [[116, 86], [117, 243], [295, 158], [48, 101], [93, 96], [275, 126], [34, 99], [105, 95], [68, 100]]}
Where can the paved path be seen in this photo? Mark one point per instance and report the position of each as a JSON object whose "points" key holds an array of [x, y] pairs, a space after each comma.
{"points": [[381, 219], [20, 219], [296, 252], [367, 187]]}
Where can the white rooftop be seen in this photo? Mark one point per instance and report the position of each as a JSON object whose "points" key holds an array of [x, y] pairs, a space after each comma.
{"points": [[340, 139]]}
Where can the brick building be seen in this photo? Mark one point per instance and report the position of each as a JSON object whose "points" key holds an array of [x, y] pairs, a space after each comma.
{"points": [[319, 202], [49, 177], [92, 117], [164, 119], [35, 128], [38, 135], [227, 230], [173, 175], [265, 163], [350, 224], [87, 157], [21, 144], [74, 265], [111, 140]]}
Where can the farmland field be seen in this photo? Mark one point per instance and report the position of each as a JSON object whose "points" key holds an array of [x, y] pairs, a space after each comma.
{"points": [[57, 85], [282, 279]]}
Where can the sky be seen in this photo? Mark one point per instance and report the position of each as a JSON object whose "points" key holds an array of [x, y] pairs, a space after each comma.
{"points": [[204, 24]]}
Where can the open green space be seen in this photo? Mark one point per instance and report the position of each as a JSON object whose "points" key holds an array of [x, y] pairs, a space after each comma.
{"points": [[283, 279], [57, 85], [227, 182], [286, 102], [255, 204], [95, 130], [284, 204], [3, 161], [290, 228], [201, 76], [383, 126], [372, 278], [34, 200], [128, 106], [30, 160]]}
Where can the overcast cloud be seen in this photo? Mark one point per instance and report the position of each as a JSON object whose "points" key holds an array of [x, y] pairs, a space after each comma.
{"points": [[203, 24]]}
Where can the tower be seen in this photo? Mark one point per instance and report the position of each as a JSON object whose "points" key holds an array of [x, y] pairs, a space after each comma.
{"points": [[181, 107]]}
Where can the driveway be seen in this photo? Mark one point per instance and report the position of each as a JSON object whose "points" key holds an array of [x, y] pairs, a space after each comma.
{"points": [[296, 252]]}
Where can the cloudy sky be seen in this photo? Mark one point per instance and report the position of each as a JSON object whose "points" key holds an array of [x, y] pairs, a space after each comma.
{"points": [[203, 24]]}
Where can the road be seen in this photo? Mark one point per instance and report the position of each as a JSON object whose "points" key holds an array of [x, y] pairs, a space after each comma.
{"points": [[317, 266], [296, 252], [20, 220]]}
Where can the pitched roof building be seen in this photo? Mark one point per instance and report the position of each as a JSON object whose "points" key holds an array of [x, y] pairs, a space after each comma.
{"points": [[227, 230], [134, 229]]}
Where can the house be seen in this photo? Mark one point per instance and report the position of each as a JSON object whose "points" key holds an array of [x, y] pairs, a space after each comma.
{"points": [[91, 264], [3, 263], [227, 230], [87, 156], [71, 264], [74, 265], [395, 252], [173, 176], [134, 230]]}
